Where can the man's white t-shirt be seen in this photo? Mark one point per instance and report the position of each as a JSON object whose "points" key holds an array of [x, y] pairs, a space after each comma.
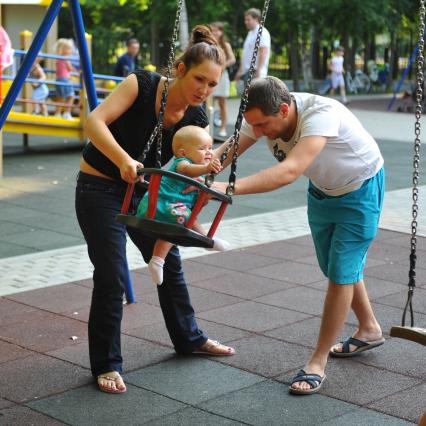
{"points": [[248, 47], [350, 155]]}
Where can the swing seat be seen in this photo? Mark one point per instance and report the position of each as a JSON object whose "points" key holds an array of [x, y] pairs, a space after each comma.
{"points": [[415, 334], [181, 235]]}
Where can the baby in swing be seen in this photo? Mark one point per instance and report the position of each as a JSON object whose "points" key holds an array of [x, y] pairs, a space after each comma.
{"points": [[192, 148]]}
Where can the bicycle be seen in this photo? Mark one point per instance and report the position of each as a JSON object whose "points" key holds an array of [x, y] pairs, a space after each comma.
{"points": [[359, 83]]}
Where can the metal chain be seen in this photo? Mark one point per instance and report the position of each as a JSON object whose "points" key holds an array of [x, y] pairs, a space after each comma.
{"points": [[158, 130], [235, 138], [416, 162]]}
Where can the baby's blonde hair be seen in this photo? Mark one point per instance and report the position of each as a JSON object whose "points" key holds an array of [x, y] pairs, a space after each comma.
{"points": [[186, 136], [61, 44]]}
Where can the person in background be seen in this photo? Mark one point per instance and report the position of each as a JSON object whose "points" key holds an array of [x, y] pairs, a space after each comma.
{"points": [[252, 19], [40, 90], [127, 63], [222, 91], [65, 91], [337, 71]]}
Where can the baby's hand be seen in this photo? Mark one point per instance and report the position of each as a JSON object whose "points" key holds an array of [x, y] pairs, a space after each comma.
{"points": [[214, 166]]}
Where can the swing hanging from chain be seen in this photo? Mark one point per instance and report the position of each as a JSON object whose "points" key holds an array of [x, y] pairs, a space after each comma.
{"points": [[183, 234], [413, 333]]}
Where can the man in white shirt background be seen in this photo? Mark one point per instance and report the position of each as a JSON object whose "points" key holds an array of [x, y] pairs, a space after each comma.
{"points": [[337, 70], [252, 19]]}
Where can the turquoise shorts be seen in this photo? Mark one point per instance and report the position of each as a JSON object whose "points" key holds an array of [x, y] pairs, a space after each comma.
{"points": [[343, 228]]}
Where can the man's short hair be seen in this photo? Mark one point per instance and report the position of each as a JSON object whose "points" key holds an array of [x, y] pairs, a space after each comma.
{"points": [[254, 13], [131, 41], [268, 94]]}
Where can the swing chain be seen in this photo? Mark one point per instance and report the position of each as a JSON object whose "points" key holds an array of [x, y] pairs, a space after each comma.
{"points": [[157, 133], [234, 140], [417, 144]]}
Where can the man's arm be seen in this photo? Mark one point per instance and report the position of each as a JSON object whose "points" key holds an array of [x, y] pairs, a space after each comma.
{"points": [[244, 143], [263, 56], [284, 173]]}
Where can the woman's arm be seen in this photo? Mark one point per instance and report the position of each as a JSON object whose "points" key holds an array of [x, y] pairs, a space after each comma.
{"points": [[116, 104]]}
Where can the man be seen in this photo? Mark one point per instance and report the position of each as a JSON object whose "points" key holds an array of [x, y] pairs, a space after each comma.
{"points": [[127, 63], [321, 139], [252, 19]]}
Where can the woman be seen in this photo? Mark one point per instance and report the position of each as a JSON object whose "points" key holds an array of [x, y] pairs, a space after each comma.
{"points": [[119, 129], [222, 91]]}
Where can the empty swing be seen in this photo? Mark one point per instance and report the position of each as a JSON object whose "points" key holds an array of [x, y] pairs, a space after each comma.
{"points": [[183, 235], [415, 334]]}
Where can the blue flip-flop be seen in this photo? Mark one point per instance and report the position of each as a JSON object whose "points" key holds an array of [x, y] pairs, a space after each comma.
{"points": [[315, 381], [361, 346]]}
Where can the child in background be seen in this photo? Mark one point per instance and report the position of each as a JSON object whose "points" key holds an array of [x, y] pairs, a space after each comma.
{"points": [[192, 148], [65, 93], [40, 90]]}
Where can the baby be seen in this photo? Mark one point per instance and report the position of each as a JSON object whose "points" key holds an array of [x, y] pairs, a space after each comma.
{"points": [[192, 148]]}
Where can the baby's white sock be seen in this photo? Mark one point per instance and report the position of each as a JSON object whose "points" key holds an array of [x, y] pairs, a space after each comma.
{"points": [[155, 268], [220, 245]]}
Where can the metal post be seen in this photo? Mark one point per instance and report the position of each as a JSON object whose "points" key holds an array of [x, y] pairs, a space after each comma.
{"points": [[40, 37], [86, 64]]}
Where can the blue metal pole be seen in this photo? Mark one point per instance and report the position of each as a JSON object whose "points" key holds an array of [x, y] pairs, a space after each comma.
{"points": [[51, 14], [86, 64]]}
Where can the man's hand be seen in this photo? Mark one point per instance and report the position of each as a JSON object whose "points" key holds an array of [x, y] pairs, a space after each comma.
{"points": [[220, 186], [214, 166]]}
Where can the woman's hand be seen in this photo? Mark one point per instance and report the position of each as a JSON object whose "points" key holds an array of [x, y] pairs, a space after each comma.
{"points": [[128, 170]]}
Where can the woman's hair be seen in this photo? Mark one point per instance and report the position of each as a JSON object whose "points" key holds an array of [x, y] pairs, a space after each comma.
{"points": [[61, 44], [202, 46]]}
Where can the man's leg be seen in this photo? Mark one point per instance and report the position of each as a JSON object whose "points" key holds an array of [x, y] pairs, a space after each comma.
{"points": [[336, 308]]}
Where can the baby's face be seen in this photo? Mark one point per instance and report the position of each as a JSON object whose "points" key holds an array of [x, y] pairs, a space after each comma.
{"points": [[199, 151]]}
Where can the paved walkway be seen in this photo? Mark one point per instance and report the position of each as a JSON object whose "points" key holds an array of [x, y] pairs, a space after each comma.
{"points": [[264, 297]]}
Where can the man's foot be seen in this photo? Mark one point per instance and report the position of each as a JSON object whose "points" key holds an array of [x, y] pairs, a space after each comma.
{"points": [[306, 383], [359, 342], [214, 348], [111, 382]]}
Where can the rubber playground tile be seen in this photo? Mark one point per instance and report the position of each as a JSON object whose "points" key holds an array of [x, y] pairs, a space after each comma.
{"points": [[306, 240], [140, 314], [398, 299], [363, 417], [191, 379], [42, 332], [265, 356], [355, 382], [9, 227], [9, 352], [269, 403], [38, 376], [408, 404], [302, 299], [157, 333], [12, 312], [388, 316], [193, 271], [282, 250], [56, 299], [400, 356], [202, 300], [251, 316], [404, 241], [19, 415], [9, 250], [236, 260], [291, 271], [243, 285], [193, 417], [4, 403], [381, 250], [396, 273], [87, 406]]}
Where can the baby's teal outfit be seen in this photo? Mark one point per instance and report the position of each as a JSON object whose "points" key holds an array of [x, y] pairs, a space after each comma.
{"points": [[172, 205]]}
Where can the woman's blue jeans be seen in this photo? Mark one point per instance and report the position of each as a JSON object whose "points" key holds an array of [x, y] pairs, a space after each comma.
{"points": [[97, 203]]}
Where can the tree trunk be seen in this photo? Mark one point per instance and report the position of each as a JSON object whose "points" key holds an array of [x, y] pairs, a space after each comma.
{"points": [[184, 27], [315, 53], [294, 59], [154, 44]]}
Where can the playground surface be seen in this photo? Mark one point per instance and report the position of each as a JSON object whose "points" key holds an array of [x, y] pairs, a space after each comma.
{"points": [[264, 297]]}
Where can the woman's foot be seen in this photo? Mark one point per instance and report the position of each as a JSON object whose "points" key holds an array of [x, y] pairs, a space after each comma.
{"points": [[374, 335], [111, 382], [214, 348]]}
